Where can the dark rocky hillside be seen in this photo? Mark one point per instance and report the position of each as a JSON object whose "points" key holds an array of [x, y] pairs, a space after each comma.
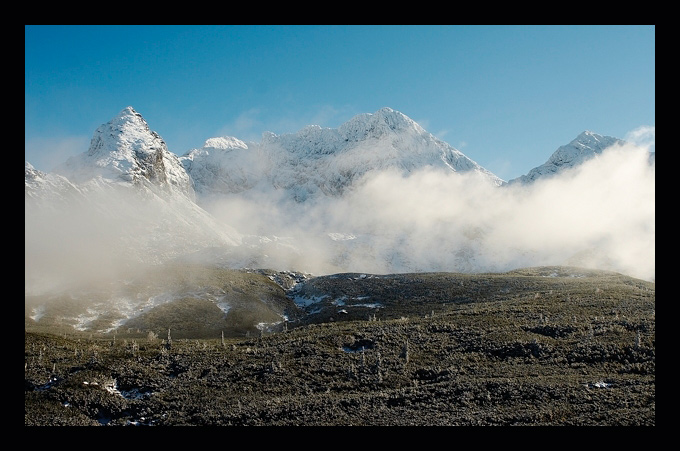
{"points": [[538, 346], [184, 298]]}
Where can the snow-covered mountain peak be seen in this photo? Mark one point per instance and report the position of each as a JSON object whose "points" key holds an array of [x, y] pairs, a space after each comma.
{"points": [[584, 147], [126, 150], [589, 140], [30, 170], [125, 133], [384, 121], [320, 161], [588, 136]]}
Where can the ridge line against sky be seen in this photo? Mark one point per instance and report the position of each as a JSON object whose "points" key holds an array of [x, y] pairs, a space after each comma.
{"points": [[505, 96]]}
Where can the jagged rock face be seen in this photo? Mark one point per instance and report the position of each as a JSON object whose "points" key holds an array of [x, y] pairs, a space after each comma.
{"points": [[323, 161], [584, 147], [126, 150]]}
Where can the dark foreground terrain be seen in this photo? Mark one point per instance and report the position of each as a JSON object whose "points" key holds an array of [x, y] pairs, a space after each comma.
{"points": [[540, 346]]}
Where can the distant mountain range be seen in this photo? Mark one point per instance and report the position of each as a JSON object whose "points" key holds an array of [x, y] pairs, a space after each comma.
{"points": [[159, 210], [314, 161]]}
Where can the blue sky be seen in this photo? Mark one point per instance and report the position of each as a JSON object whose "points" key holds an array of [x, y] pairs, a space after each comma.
{"points": [[505, 96]]}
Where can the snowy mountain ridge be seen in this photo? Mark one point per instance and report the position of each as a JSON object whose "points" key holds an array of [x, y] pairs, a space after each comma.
{"points": [[323, 161], [311, 162], [47, 187]]}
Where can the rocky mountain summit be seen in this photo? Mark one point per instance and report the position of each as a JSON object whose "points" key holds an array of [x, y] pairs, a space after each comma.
{"points": [[125, 149]]}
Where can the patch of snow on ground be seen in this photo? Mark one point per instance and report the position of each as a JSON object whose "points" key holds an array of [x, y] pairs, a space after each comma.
{"points": [[340, 301], [38, 313], [82, 321], [223, 305], [341, 236], [373, 305], [267, 326], [302, 301]]}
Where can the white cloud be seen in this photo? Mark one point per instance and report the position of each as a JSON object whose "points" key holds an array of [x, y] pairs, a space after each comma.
{"points": [[643, 136], [601, 215]]}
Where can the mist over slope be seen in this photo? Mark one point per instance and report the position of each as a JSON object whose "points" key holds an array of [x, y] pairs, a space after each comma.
{"points": [[125, 202], [591, 204], [377, 195]]}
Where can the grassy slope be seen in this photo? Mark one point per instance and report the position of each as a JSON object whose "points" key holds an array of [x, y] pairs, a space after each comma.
{"points": [[539, 346]]}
